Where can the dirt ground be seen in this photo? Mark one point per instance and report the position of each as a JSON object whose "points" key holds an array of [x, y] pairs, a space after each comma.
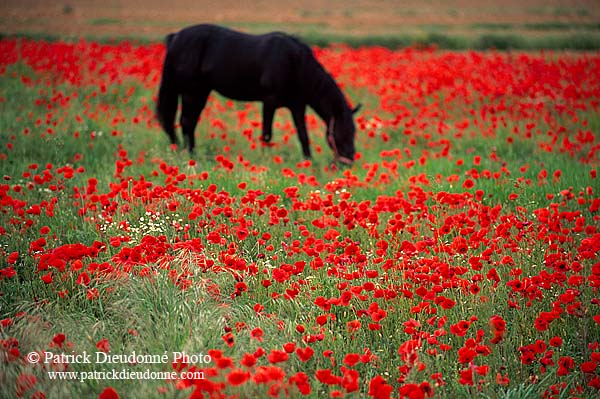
{"points": [[152, 19]]}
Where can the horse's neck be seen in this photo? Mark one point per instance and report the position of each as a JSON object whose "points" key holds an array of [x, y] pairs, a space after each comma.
{"points": [[325, 98], [323, 109]]}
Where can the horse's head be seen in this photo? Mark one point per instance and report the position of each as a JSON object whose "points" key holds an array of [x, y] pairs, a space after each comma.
{"points": [[340, 136]]}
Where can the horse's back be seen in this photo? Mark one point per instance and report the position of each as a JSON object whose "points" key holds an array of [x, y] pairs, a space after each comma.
{"points": [[184, 51], [238, 65]]}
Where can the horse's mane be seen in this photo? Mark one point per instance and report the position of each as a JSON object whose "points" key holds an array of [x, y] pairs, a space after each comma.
{"points": [[317, 83]]}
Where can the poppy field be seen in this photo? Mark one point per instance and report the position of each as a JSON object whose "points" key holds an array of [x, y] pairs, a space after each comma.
{"points": [[458, 257]]}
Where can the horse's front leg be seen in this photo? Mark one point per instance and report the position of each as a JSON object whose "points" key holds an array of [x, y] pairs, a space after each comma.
{"points": [[267, 120], [170, 130], [192, 104], [298, 114]]}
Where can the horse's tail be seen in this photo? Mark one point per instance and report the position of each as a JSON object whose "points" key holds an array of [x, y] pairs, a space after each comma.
{"points": [[168, 97]]}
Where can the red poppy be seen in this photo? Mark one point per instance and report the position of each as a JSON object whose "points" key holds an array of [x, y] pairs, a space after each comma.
{"points": [[353, 325], [83, 279], [59, 339], [351, 359], [12, 258], [289, 347], [466, 355], [92, 294], [302, 382], [277, 356], [47, 278], [468, 184], [555, 341], [103, 345], [589, 367], [411, 391], [108, 393], [460, 329], [237, 377], [257, 334], [304, 354], [502, 380], [229, 339], [325, 376], [379, 388], [321, 320], [466, 377]]}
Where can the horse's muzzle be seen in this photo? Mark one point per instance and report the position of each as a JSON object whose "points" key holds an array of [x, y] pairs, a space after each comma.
{"points": [[344, 160], [338, 158]]}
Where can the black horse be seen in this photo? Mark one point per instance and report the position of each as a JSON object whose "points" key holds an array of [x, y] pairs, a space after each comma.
{"points": [[275, 68]]}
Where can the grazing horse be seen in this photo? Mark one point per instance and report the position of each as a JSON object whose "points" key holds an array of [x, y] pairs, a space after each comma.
{"points": [[275, 68]]}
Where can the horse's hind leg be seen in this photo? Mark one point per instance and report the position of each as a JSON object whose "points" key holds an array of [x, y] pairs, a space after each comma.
{"points": [[192, 105], [267, 120]]}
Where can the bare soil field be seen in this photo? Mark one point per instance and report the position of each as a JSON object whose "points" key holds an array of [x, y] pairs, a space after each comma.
{"points": [[152, 19]]}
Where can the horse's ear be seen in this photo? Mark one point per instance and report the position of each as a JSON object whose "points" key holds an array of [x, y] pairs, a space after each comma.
{"points": [[169, 39], [355, 110]]}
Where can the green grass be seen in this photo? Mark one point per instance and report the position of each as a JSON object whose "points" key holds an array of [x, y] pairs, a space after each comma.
{"points": [[151, 315], [581, 39], [487, 41], [538, 26], [104, 21]]}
